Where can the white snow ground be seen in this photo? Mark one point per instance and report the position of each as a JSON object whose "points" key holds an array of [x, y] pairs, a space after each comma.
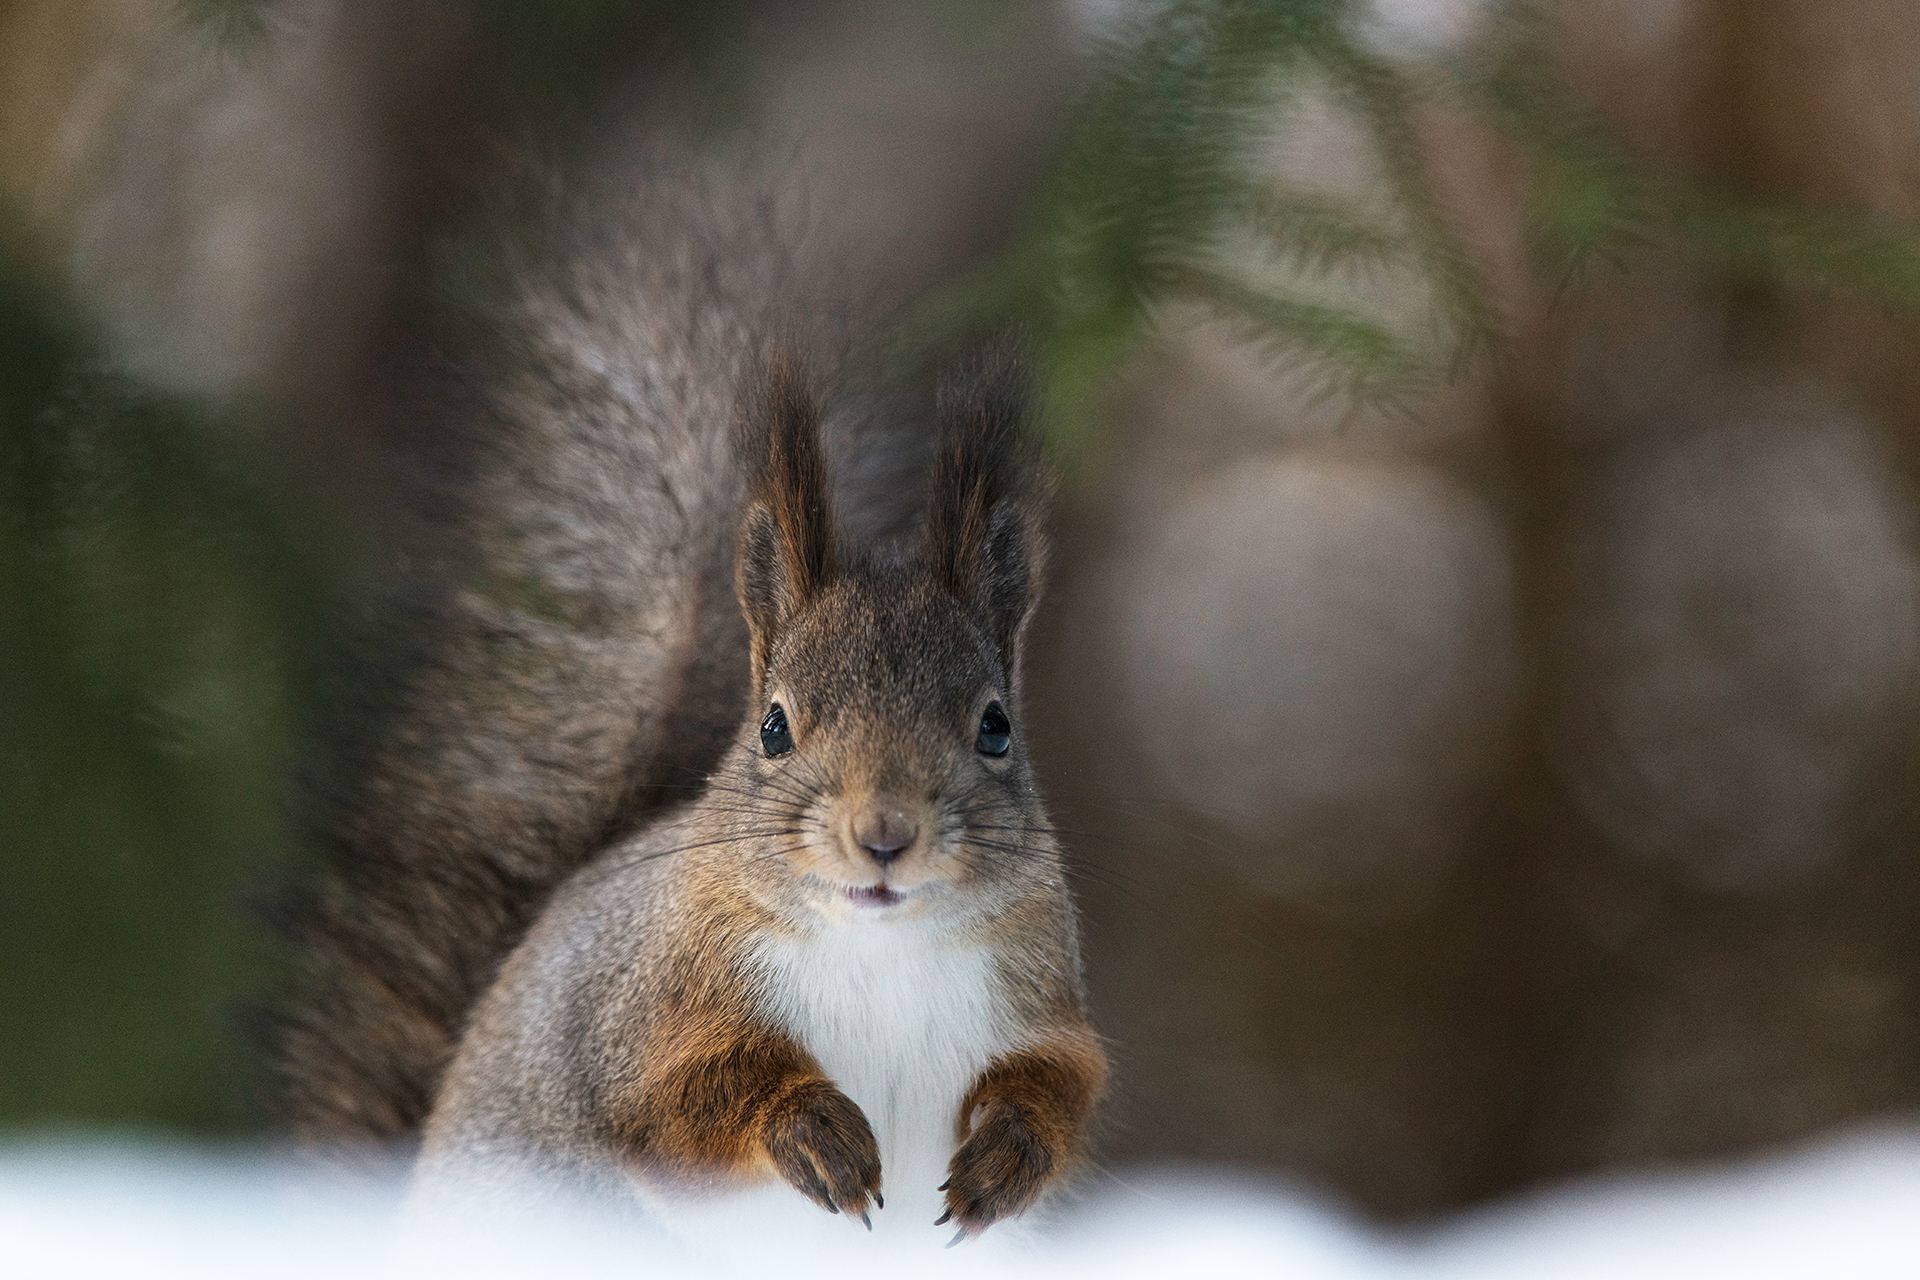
{"points": [[1847, 1207]]}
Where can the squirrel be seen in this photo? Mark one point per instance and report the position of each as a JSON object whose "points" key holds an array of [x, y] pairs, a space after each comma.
{"points": [[853, 957], [652, 889]]}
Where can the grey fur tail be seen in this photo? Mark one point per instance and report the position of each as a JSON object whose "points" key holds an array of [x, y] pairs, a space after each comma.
{"points": [[565, 653]]}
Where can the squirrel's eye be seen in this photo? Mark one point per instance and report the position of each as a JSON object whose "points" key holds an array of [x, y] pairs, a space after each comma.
{"points": [[773, 732], [996, 734]]}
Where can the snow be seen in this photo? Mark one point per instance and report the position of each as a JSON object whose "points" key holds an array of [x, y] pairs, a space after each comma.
{"points": [[1845, 1207]]}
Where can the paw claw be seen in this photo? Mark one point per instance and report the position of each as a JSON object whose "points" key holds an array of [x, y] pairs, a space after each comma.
{"points": [[879, 1201], [998, 1172], [823, 1146], [958, 1236], [943, 1219], [866, 1222], [943, 1186]]}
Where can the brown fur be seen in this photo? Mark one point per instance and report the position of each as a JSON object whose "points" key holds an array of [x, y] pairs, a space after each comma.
{"points": [[983, 539], [1023, 1125], [785, 552], [732, 1096]]}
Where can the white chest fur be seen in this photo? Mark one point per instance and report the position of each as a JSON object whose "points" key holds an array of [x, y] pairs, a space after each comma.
{"points": [[903, 1019]]}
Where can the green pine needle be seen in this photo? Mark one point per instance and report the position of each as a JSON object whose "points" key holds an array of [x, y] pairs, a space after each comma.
{"points": [[1317, 234], [1336, 350], [1876, 260]]}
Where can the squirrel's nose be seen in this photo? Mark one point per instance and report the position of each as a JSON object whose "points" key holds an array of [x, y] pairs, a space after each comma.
{"points": [[884, 833]]}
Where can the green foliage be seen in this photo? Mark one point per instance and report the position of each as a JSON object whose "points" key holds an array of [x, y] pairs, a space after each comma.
{"points": [[146, 605], [1873, 259], [1591, 201], [1159, 202]]}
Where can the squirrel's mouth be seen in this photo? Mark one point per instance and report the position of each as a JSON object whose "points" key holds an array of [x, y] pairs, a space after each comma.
{"points": [[875, 895]]}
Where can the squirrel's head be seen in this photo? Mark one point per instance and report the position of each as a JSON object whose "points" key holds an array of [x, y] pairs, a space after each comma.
{"points": [[884, 770]]}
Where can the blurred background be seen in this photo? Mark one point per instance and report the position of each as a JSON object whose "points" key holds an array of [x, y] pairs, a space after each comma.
{"points": [[1481, 679]]}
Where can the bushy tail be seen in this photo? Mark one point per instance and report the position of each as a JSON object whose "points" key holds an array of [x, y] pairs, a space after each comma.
{"points": [[570, 653]]}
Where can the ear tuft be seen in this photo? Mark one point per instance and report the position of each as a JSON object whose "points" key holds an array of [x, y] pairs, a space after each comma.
{"points": [[984, 540], [785, 551]]}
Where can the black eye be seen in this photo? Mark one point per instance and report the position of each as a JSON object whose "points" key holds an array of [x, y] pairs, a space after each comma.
{"points": [[995, 733], [773, 732]]}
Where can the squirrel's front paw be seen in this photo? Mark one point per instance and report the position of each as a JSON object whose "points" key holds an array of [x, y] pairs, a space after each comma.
{"points": [[820, 1142], [997, 1172]]}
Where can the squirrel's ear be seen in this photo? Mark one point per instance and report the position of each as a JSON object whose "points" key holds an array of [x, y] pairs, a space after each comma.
{"points": [[785, 553], [984, 536]]}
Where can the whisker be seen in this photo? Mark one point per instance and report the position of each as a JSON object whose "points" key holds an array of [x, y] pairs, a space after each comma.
{"points": [[777, 853], [1038, 830], [768, 792], [707, 777], [708, 844], [751, 811]]}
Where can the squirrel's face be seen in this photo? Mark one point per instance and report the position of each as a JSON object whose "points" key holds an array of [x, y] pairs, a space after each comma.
{"points": [[888, 758], [884, 772]]}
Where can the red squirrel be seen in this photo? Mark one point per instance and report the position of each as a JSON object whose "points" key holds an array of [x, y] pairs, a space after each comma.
{"points": [[850, 964]]}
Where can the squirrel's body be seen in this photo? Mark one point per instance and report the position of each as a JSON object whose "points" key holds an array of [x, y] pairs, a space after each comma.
{"points": [[848, 964], [902, 1018]]}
